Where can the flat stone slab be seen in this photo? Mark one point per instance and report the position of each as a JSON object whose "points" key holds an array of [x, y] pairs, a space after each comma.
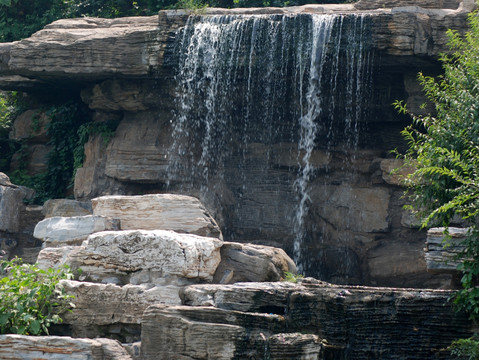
{"points": [[61, 231], [180, 213], [20, 347]]}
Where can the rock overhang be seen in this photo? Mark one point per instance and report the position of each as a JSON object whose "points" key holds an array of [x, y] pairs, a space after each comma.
{"points": [[90, 50]]}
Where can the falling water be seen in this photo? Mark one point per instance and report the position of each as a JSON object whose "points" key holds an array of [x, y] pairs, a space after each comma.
{"points": [[266, 79]]}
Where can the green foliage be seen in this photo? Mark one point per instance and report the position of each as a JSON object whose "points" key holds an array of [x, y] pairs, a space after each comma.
{"points": [[444, 149], [466, 348], [292, 278], [65, 121], [195, 5], [105, 129], [11, 105], [30, 299]]}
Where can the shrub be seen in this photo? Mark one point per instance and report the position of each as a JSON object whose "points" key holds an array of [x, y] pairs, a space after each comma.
{"points": [[444, 149], [30, 299]]}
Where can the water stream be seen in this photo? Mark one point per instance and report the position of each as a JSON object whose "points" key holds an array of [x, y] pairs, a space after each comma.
{"points": [[248, 83]]}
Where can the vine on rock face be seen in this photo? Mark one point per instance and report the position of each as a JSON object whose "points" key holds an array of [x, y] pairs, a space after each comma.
{"points": [[62, 129], [30, 298], [444, 150]]}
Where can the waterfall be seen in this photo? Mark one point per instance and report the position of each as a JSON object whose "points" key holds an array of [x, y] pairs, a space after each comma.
{"points": [[246, 83]]}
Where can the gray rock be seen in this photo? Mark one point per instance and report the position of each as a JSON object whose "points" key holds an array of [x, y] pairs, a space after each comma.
{"points": [[139, 256], [60, 231], [11, 205], [355, 322], [441, 250], [99, 308], [66, 207], [20, 347], [184, 332], [247, 262], [179, 213]]}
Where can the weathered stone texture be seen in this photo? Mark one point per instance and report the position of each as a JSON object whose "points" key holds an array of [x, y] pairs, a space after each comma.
{"points": [[375, 4], [139, 256], [246, 262], [441, 248], [30, 125], [66, 207], [179, 213], [60, 231], [96, 48], [356, 322], [108, 310], [20, 347]]}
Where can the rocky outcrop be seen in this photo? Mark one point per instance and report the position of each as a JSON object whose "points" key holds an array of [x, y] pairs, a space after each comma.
{"points": [[244, 320], [19, 347], [354, 230], [108, 310], [97, 49]]}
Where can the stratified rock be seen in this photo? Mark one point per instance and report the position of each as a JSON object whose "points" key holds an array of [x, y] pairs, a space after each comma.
{"points": [[54, 257], [60, 231], [20, 347], [247, 262], [139, 256], [140, 151], [378, 4], [180, 213], [441, 249], [183, 332], [357, 322], [66, 207], [105, 309], [294, 346], [247, 297], [95, 49]]}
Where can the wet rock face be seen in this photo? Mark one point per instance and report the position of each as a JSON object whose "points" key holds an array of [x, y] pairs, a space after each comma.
{"points": [[354, 229], [336, 322]]}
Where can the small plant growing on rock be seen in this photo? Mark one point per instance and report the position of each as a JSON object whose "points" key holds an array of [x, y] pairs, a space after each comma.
{"points": [[293, 278], [30, 299]]}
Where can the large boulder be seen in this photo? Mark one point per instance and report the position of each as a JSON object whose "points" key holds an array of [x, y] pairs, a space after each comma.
{"points": [[21, 347], [139, 256], [180, 213], [247, 262]]}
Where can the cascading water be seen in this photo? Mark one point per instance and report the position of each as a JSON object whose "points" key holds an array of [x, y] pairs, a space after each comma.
{"points": [[248, 83]]}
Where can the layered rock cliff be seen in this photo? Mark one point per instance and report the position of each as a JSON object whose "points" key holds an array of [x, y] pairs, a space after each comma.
{"points": [[262, 183]]}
